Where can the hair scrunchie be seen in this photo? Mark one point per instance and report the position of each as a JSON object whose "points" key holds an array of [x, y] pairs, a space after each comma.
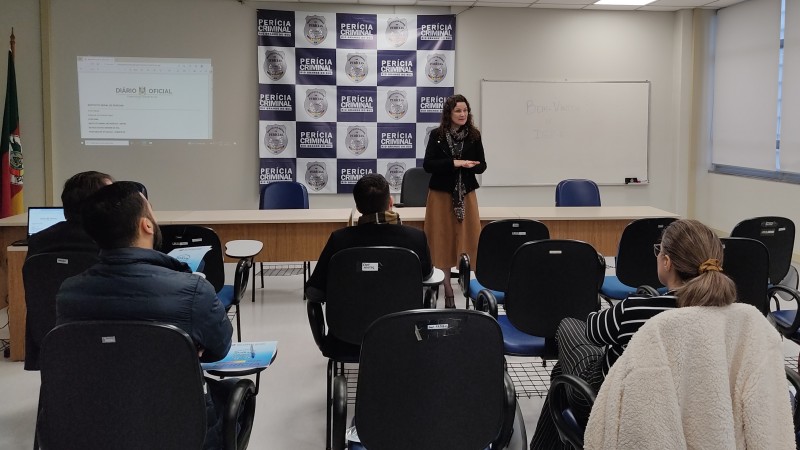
{"points": [[710, 264]]}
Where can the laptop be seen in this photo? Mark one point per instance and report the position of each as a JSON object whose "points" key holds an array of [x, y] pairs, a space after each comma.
{"points": [[41, 217]]}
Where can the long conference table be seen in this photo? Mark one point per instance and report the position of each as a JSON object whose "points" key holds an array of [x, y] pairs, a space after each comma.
{"points": [[300, 235]]}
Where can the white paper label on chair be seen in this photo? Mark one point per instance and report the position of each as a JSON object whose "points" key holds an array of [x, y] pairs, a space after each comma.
{"points": [[197, 240], [555, 252], [62, 261], [369, 267], [108, 339], [519, 233], [439, 326]]}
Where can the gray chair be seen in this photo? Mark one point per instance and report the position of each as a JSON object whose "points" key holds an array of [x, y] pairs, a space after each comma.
{"points": [[414, 190]]}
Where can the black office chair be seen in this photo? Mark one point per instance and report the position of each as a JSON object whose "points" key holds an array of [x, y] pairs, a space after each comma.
{"points": [[777, 233], [564, 395], [496, 246], [794, 383], [364, 283], [42, 276], [424, 375], [577, 192], [284, 195], [414, 190], [549, 280], [130, 385], [212, 265], [635, 264], [746, 262]]}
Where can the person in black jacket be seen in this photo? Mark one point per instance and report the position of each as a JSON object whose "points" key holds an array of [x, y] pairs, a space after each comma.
{"points": [[453, 157], [69, 235], [378, 225], [133, 281]]}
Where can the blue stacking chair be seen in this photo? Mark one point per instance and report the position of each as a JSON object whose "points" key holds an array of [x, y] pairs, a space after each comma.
{"points": [[548, 281], [284, 195], [577, 192], [635, 263], [564, 392], [496, 246]]}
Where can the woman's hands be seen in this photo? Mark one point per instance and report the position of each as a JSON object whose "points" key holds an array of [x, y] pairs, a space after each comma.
{"points": [[467, 164]]}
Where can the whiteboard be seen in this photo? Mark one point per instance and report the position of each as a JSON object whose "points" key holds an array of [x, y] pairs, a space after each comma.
{"points": [[539, 133]]}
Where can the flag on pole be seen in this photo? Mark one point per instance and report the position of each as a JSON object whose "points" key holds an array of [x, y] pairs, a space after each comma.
{"points": [[11, 171]]}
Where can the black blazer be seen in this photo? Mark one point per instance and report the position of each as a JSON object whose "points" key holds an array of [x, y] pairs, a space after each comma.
{"points": [[439, 163], [367, 235]]}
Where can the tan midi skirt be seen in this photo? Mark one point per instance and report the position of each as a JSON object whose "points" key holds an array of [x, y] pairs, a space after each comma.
{"points": [[447, 238]]}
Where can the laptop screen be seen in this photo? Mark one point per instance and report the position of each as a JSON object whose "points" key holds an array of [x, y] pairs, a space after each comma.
{"points": [[40, 218]]}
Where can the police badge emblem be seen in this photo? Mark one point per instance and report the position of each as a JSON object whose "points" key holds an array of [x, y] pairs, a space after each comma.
{"points": [[316, 104], [275, 64], [316, 175], [357, 140], [315, 30], [397, 31], [394, 174], [396, 104], [436, 67], [275, 139], [428, 134], [356, 67]]}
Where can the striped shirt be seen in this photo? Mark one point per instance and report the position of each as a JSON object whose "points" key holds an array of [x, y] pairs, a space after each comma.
{"points": [[614, 327]]}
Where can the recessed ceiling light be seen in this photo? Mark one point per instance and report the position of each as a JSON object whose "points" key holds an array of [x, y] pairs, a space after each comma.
{"points": [[624, 2]]}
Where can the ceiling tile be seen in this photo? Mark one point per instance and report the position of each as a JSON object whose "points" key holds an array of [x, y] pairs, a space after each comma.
{"points": [[681, 3], [552, 6]]}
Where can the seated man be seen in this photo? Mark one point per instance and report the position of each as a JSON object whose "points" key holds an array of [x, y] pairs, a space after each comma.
{"points": [[69, 235], [378, 225], [134, 282]]}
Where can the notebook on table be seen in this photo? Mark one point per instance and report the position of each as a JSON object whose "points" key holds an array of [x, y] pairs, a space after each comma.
{"points": [[41, 217]]}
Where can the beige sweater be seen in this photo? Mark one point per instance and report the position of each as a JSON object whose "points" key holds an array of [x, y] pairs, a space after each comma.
{"points": [[698, 378]]}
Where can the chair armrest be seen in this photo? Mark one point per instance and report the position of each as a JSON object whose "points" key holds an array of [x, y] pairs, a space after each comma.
{"points": [[339, 417], [794, 379], [646, 290], [398, 205], [510, 409], [464, 274], [237, 418], [316, 319], [487, 303], [795, 295], [557, 396], [601, 268]]}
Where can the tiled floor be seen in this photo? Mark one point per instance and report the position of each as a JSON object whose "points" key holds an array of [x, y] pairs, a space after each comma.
{"points": [[291, 405]]}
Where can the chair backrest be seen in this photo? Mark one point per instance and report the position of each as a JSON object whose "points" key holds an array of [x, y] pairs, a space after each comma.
{"points": [[636, 261], [121, 385], [777, 233], [423, 375], [746, 262], [365, 283], [496, 246], [414, 190], [549, 281], [42, 276], [180, 236], [577, 192], [283, 195]]}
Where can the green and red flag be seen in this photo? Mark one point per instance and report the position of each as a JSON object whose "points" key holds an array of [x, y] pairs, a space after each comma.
{"points": [[11, 171]]}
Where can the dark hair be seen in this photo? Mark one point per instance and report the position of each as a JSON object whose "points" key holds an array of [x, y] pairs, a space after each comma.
{"points": [[371, 193], [689, 244], [447, 112], [77, 188], [111, 215]]}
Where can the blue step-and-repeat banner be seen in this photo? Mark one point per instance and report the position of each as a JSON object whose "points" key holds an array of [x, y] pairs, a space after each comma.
{"points": [[344, 95]]}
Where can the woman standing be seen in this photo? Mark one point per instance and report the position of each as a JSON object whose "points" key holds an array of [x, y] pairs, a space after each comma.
{"points": [[453, 157]]}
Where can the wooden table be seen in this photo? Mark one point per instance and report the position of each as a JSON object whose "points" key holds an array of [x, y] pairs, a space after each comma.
{"points": [[300, 235]]}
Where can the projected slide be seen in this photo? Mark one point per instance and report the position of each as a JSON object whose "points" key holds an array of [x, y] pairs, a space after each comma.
{"points": [[144, 98]]}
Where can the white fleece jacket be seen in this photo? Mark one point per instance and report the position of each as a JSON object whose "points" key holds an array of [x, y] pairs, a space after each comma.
{"points": [[698, 378]]}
